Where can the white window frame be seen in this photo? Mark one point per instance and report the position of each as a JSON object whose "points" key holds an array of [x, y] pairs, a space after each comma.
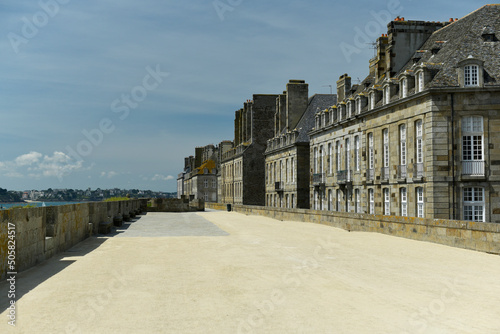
{"points": [[387, 94], [371, 201], [372, 100], [386, 152], [473, 144], [419, 194], [339, 202], [387, 201], [404, 87], [356, 153], [474, 204], [357, 199], [347, 154], [403, 195], [402, 144], [329, 159], [371, 154], [421, 81], [338, 152], [418, 142], [471, 76]]}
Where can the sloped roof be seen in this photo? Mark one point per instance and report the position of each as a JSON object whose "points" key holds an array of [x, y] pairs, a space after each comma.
{"points": [[459, 40], [316, 102], [209, 164]]}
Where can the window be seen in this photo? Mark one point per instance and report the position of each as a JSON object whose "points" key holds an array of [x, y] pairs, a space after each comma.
{"points": [[404, 202], [372, 100], [357, 200], [205, 183], [205, 197], [356, 153], [287, 171], [474, 204], [385, 134], [330, 200], [293, 201], [348, 200], [315, 158], [292, 171], [472, 146], [471, 75], [420, 81], [387, 94], [358, 107], [347, 155], [418, 142], [321, 154], [371, 157], [420, 201], [339, 156], [371, 199], [387, 203], [404, 87], [329, 158], [214, 184], [339, 205], [402, 145]]}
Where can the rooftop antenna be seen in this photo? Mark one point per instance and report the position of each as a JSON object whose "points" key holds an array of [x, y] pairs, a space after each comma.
{"points": [[374, 47], [331, 91]]}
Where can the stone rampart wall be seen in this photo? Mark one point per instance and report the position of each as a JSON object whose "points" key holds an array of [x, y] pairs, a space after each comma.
{"points": [[484, 237], [42, 232]]}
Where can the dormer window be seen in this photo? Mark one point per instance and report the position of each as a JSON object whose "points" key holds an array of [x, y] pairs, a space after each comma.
{"points": [[420, 81], [470, 72], [404, 87], [358, 105], [471, 76], [488, 34], [387, 94], [372, 100]]}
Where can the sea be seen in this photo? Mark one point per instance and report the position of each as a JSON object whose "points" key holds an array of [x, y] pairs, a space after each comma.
{"points": [[4, 206]]}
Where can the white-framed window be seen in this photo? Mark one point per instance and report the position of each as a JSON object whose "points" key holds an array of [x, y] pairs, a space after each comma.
{"points": [[402, 145], [321, 154], [387, 202], [292, 170], [281, 170], [205, 183], [356, 153], [471, 76], [339, 155], [348, 200], [371, 201], [419, 192], [329, 158], [387, 94], [347, 154], [339, 203], [287, 171], [372, 100], [472, 145], [371, 154], [349, 109], [420, 81], [404, 87], [357, 200], [419, 155], [358, 105], [205, 197], [474, 204], [330, 200], [214, 184], [315, 158], [404, 202], [385, 135]]}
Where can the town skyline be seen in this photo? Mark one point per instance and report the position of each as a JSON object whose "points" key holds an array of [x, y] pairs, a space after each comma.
{"points": [[115, 94]]}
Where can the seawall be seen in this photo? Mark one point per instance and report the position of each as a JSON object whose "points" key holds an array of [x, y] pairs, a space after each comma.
{"points": [[483, 237], [42, 232]]}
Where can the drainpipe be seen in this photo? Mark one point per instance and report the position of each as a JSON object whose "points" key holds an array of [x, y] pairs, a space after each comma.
{"points": [[453, 153]]}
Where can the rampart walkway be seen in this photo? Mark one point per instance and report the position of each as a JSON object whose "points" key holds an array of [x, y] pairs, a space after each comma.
{"points": [[219, 272]]}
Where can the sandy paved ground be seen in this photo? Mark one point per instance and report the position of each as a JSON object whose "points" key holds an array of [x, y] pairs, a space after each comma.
{"points": [[179, 273]]}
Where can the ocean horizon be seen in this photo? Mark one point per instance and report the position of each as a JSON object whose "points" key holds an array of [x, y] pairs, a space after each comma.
{"points": [[4, 206]]}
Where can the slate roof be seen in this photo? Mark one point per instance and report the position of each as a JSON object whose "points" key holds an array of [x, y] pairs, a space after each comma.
{"points": [[316, 102], [459, 40]]}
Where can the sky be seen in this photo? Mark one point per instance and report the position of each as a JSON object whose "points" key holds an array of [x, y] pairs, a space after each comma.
{"points": [[115, 93]]}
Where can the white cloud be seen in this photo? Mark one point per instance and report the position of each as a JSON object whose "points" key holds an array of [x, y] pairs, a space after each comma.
{"points": [[159, 177], [109, 175], [37, 165]]}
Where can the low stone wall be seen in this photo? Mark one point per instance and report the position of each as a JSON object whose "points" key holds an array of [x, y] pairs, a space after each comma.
{"points": [[42, 232], [175, 205], [484, 237]]}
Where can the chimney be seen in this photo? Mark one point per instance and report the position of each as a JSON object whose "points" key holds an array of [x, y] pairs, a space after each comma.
{"points": [[198, 157], [343, 87], [297, 96]]}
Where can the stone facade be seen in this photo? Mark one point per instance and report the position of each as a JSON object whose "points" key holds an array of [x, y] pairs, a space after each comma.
{"points": [[417, 138], [287, 153], [242, 177]]}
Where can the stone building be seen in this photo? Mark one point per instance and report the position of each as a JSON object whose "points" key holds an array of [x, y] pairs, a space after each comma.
{"points": [[419, 136], [242, 175], [287, 153]]}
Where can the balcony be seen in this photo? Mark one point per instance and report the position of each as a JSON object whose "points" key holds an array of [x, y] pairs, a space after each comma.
{"points": [[473, 168], [279, 186], [344, 176], [370, 175], [402, 172], [385, 174], [319, 179], [418, 170]]}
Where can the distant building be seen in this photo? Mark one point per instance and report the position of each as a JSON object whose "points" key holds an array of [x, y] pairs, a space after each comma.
{"points": [[242, 176], [287, 153]]}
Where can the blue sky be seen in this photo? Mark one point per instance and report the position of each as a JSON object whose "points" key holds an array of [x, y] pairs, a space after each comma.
{"points": [[115, 93]]}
